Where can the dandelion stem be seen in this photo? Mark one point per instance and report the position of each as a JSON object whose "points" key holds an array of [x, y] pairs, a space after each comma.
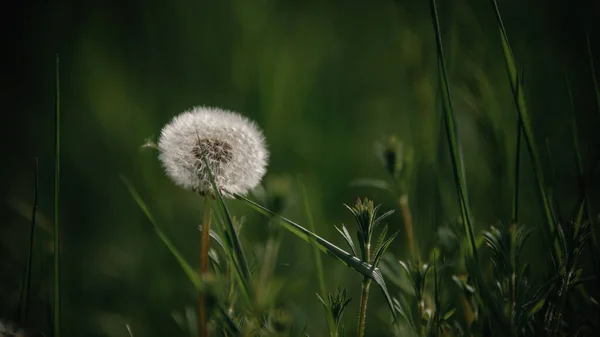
{"points": [[204, 244]]}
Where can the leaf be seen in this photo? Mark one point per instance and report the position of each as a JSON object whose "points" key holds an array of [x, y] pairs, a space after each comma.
{"points": [[348, 238], [325, 246], [449, 314], [382, 217], [383, 248], [539, 305]]}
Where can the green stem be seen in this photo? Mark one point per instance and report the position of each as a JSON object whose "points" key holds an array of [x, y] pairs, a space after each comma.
{"points": [[364, 296], [56, 208], [363, 307], [204, 245], [408, 227]]}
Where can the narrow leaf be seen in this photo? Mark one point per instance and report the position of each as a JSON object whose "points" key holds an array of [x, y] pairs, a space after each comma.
{"points": [[325, 246]]}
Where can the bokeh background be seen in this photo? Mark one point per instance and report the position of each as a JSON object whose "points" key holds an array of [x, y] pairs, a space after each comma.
{"points": [[326, 80]]}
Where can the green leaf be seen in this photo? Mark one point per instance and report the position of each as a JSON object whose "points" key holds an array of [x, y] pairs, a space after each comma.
{"points": [[382, 249], [449, 314], [325, 246], [348, 238], [539, 305]]}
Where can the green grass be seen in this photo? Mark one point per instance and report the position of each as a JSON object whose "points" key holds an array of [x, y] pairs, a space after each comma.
{"points": [[484, 252]]}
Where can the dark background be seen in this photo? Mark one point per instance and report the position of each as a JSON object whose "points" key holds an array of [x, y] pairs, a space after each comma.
{"points": [[324, 79]]}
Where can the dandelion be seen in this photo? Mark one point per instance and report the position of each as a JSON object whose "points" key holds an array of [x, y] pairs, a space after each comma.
{"points": [[233, 146]]}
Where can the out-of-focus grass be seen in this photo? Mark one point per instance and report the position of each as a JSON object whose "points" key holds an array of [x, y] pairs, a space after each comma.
{"points": [[325, 81]]}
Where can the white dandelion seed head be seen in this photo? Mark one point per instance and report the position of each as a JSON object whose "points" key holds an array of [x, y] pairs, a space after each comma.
{"points": [[233, 145]]}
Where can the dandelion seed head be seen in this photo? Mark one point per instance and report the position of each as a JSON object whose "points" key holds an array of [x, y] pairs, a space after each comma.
{"points": [[233, 146]]}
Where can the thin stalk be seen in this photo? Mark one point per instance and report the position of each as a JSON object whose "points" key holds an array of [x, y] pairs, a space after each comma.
{"points": [[317, 256], [364, 296], [56, 205], [27, 279], [408, 227], [512, 285], [452, 135], [204, 245], [515, 205]]}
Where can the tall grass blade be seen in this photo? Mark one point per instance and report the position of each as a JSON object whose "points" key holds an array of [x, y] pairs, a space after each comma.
{"points": [[452, 135], [519, 98], [328, 248], [187, 268], [24, 303], [56, 204], [317, 256], [311, 227]]}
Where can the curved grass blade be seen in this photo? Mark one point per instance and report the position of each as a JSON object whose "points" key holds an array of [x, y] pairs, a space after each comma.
{"points": [[328, 248], [519, 98], [187, 268], [452, 135], [56, 204], [189, 271]]}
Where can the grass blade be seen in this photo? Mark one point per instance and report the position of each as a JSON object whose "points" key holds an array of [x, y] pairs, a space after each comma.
{"points": [[239, 258], [519, 98], [311, 227], [452, 135], [56, 204], [27, 278], [328, 248], [187, 268]]}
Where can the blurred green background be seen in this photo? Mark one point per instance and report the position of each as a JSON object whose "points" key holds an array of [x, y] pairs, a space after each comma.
{"points": [[325, 80]]}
